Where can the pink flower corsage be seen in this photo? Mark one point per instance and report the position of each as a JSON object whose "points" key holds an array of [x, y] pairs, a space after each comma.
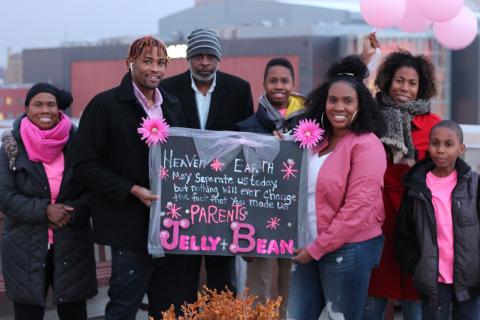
{"points": [[154, 131], [308, 133]]}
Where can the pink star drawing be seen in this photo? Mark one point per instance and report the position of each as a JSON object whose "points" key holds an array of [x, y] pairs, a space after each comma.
{"points": [[173, 211], [216, 165], [163, 173], [288, 169], [273, 223]]}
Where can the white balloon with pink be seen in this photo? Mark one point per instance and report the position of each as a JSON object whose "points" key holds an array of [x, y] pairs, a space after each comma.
{"points": [[455, 26]]}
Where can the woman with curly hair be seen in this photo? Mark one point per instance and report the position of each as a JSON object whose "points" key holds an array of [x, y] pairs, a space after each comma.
{"points": [[343, 238], [406, 85]]}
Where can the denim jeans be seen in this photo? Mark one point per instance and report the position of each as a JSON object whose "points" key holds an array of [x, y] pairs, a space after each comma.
{"points": [[375, 309], [465, 310], [337, 282], [131, 273]]}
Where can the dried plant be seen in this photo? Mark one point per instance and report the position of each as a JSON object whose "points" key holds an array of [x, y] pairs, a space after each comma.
{"points": [[211, 305]]}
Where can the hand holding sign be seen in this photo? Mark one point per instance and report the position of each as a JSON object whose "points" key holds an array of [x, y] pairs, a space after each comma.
{"points": [[144, 195], [245, 201], [302, 257]]}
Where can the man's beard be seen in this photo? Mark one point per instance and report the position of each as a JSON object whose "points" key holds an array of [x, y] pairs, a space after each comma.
{"points": [[201, 78]]}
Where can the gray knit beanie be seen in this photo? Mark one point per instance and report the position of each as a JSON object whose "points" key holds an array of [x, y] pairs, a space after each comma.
{"points": [[204, 41]]}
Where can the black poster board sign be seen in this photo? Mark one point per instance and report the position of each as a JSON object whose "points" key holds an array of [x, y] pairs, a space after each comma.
{"points": [[227, 208]]}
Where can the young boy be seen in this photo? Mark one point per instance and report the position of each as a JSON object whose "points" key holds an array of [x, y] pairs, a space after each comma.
{"points": [[438, 231], [279, 109]]}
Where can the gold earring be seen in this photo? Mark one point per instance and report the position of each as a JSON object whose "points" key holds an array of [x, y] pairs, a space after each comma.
{"points": [[353, 118]]}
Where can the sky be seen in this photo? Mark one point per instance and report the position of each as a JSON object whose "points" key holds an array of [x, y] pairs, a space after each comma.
{"points": [[36, 23], [47, 23]]}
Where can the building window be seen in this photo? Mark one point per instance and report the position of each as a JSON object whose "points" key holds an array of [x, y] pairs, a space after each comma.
{"points": [[8, 101]]}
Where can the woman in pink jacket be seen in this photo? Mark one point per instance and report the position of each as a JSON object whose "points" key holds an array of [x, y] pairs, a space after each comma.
{"points": [[345, 209]]}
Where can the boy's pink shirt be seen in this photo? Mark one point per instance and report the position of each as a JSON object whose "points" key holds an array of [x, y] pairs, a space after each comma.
{"points": [[442, 188]]}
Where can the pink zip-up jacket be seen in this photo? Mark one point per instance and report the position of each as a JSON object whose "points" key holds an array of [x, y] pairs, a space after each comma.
{"points": [[348, 198]]}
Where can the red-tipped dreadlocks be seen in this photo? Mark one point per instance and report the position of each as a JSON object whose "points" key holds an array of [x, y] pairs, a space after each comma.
{"points": [[147, 42]]}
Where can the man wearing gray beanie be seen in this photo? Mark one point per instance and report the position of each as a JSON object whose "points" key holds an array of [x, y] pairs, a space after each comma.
{"points": [[204, 41], [211, 100]]}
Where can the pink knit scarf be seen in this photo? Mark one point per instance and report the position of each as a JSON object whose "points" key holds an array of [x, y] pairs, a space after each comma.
{"points": [[45, 145]]}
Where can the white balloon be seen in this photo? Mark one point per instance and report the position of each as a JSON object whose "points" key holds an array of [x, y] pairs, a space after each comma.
{"points": [[459, 32], [413, 20], [439, 10], [382, 13]]}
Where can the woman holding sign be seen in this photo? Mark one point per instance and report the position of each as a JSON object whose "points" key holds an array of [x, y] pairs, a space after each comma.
{"points": [[344, 199]]}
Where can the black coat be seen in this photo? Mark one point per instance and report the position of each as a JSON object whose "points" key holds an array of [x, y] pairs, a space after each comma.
{"points": [[231, 100], [24, 197], [261, 123], [416, 233], [110, 158]]}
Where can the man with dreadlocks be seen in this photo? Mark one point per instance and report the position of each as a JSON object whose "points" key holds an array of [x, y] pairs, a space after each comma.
{"points": [[112, 161]]}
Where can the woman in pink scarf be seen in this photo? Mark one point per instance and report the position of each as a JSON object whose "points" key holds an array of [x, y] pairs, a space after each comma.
{"points": [[46, 241]]}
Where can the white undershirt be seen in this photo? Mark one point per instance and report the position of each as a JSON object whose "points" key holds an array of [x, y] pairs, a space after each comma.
{"points": [[314, 164], [203, 102]]}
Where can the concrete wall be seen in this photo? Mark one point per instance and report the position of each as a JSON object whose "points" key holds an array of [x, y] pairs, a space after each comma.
{"points": [[465, 83], [54, 64]]}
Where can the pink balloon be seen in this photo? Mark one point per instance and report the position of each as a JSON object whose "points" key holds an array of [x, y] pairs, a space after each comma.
{"points": [[382, 13], [459, 32], [413, 20], [439, 10]]}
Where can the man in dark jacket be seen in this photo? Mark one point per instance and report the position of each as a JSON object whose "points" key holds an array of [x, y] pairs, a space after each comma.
{"points": [[112, 160], [211, 100]]}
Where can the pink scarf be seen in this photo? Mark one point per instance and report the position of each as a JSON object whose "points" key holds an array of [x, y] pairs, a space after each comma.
{"points": [[45, 145]]}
